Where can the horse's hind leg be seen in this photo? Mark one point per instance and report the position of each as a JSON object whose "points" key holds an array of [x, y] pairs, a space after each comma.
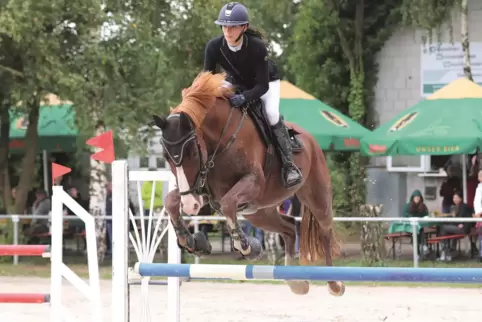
{"points": [[317, 226], [271, 220], [196, 244]]}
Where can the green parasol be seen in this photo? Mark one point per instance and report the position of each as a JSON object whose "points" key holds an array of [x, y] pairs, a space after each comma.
{"points": [[56, 128], [331, 128], [447, 122]]}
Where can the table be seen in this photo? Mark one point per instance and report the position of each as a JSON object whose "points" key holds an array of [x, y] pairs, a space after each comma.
{"points": [[406, 227]]}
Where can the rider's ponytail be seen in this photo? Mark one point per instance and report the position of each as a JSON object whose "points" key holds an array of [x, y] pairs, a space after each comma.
{"points": [[254, 32]]}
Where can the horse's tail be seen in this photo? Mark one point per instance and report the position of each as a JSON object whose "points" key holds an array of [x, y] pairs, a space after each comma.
{"points": [[312, 234]]}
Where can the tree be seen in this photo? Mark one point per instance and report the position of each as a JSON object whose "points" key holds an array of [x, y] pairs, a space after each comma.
{"points": [[41, 37], [334, 42], [4, 150], [8, 65], [276, 20], [464, 30], [123, 81]]}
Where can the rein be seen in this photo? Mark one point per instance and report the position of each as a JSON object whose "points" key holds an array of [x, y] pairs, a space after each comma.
{"points": [[200, 186]]}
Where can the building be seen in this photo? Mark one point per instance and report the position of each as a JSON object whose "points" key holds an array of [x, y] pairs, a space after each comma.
{"points": [[408, 71]]}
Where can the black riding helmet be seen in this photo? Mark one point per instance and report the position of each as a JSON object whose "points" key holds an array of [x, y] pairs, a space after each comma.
{"points": [[233, 14]]}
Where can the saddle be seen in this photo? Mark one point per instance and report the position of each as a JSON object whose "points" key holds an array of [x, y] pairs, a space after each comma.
{"points": [[260, 119], [257, 113]]}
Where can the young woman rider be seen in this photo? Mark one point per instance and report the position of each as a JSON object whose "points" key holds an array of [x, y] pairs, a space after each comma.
{"points": [[241, 52]]}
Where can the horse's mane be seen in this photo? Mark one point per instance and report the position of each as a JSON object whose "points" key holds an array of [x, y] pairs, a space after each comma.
{"points": [[198, 99]]}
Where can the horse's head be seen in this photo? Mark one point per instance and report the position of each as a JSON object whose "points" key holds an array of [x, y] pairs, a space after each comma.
{"points": [[182, 149], [182, 136]]}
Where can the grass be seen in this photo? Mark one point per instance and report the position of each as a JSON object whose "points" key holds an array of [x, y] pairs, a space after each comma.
{"points": [[37, 267]]}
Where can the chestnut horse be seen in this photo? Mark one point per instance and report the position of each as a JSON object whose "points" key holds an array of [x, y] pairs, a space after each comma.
{"points": [[217, 155]]}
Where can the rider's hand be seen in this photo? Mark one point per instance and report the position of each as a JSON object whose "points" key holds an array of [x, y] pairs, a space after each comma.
{"points": [[237, 100]]}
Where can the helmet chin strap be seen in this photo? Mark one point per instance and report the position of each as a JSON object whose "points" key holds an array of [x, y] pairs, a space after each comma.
{"points": [[240, 35]]}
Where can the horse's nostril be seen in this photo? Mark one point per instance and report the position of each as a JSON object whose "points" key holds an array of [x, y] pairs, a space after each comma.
{"points": [[196, 206]]}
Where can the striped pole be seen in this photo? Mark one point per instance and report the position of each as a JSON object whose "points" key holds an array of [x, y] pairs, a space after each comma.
{"points": [[316, 273], [25, 250], [24, 298]]}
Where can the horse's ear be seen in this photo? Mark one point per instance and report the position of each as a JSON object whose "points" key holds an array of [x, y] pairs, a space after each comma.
{"points": [[159, 121]]}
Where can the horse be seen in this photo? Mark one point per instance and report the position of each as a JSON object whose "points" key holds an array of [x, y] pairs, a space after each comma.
{"points": [[217, 155]]}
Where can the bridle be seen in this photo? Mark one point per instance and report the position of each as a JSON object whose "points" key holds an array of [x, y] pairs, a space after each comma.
{"points": [[199, 187]]}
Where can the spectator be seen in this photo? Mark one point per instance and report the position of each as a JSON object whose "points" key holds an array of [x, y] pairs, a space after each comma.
{"points": [[147, 194], [258, 233], [76, 225], [272, 241], [449, 186], [461, 210], [41, 207], [478, 212], [292, 207], [415, 206]]}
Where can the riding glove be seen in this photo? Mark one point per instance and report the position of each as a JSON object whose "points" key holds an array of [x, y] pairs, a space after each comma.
{"points": [[237, 100]]}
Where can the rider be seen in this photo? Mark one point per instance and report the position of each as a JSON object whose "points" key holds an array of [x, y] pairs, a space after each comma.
{"points": [[241, 52]]}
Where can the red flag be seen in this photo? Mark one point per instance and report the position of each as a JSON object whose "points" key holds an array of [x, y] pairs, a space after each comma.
{"points": [[106, 155], [105, 141], [59, 170]]}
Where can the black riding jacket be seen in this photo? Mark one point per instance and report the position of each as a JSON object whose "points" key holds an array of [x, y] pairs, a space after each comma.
{"points": [[249, 67]]}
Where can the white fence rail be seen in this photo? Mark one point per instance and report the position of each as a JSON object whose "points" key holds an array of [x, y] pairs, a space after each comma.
{"points": [[414, 221]]}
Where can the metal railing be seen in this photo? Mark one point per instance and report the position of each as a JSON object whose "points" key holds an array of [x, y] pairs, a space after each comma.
{"points": [[414, 221]]}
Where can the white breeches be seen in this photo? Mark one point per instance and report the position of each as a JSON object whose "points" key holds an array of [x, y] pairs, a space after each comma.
{"points": [[271, 100]]}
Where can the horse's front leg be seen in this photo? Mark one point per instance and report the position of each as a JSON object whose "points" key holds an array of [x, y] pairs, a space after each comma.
{"points": [[196, 244], [245, 190]]}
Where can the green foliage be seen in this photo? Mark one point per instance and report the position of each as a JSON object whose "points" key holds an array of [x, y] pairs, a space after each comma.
{"points": [[316, 58], [341, 204], [121, 62], [42, 37], [124, 81], [333, 47], [429, 15], [333, 56]]}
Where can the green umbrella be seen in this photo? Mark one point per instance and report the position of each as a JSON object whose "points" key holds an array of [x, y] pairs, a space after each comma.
{"points": [[56, 128], [331, 128], [447, 122]]}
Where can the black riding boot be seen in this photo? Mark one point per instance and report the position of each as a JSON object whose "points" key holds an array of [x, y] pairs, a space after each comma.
{"points": [[290, 172]]}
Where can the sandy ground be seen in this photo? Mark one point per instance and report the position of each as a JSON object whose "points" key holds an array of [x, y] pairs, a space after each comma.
{"points": [[223, 302]]}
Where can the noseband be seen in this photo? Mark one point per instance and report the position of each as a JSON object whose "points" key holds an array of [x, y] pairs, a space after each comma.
{"points": [[199, 186]]}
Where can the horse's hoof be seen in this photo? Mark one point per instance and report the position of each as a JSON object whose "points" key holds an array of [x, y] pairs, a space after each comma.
{"points": [[256, 249], [202, 245], [336, 288], [299, 287]]}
